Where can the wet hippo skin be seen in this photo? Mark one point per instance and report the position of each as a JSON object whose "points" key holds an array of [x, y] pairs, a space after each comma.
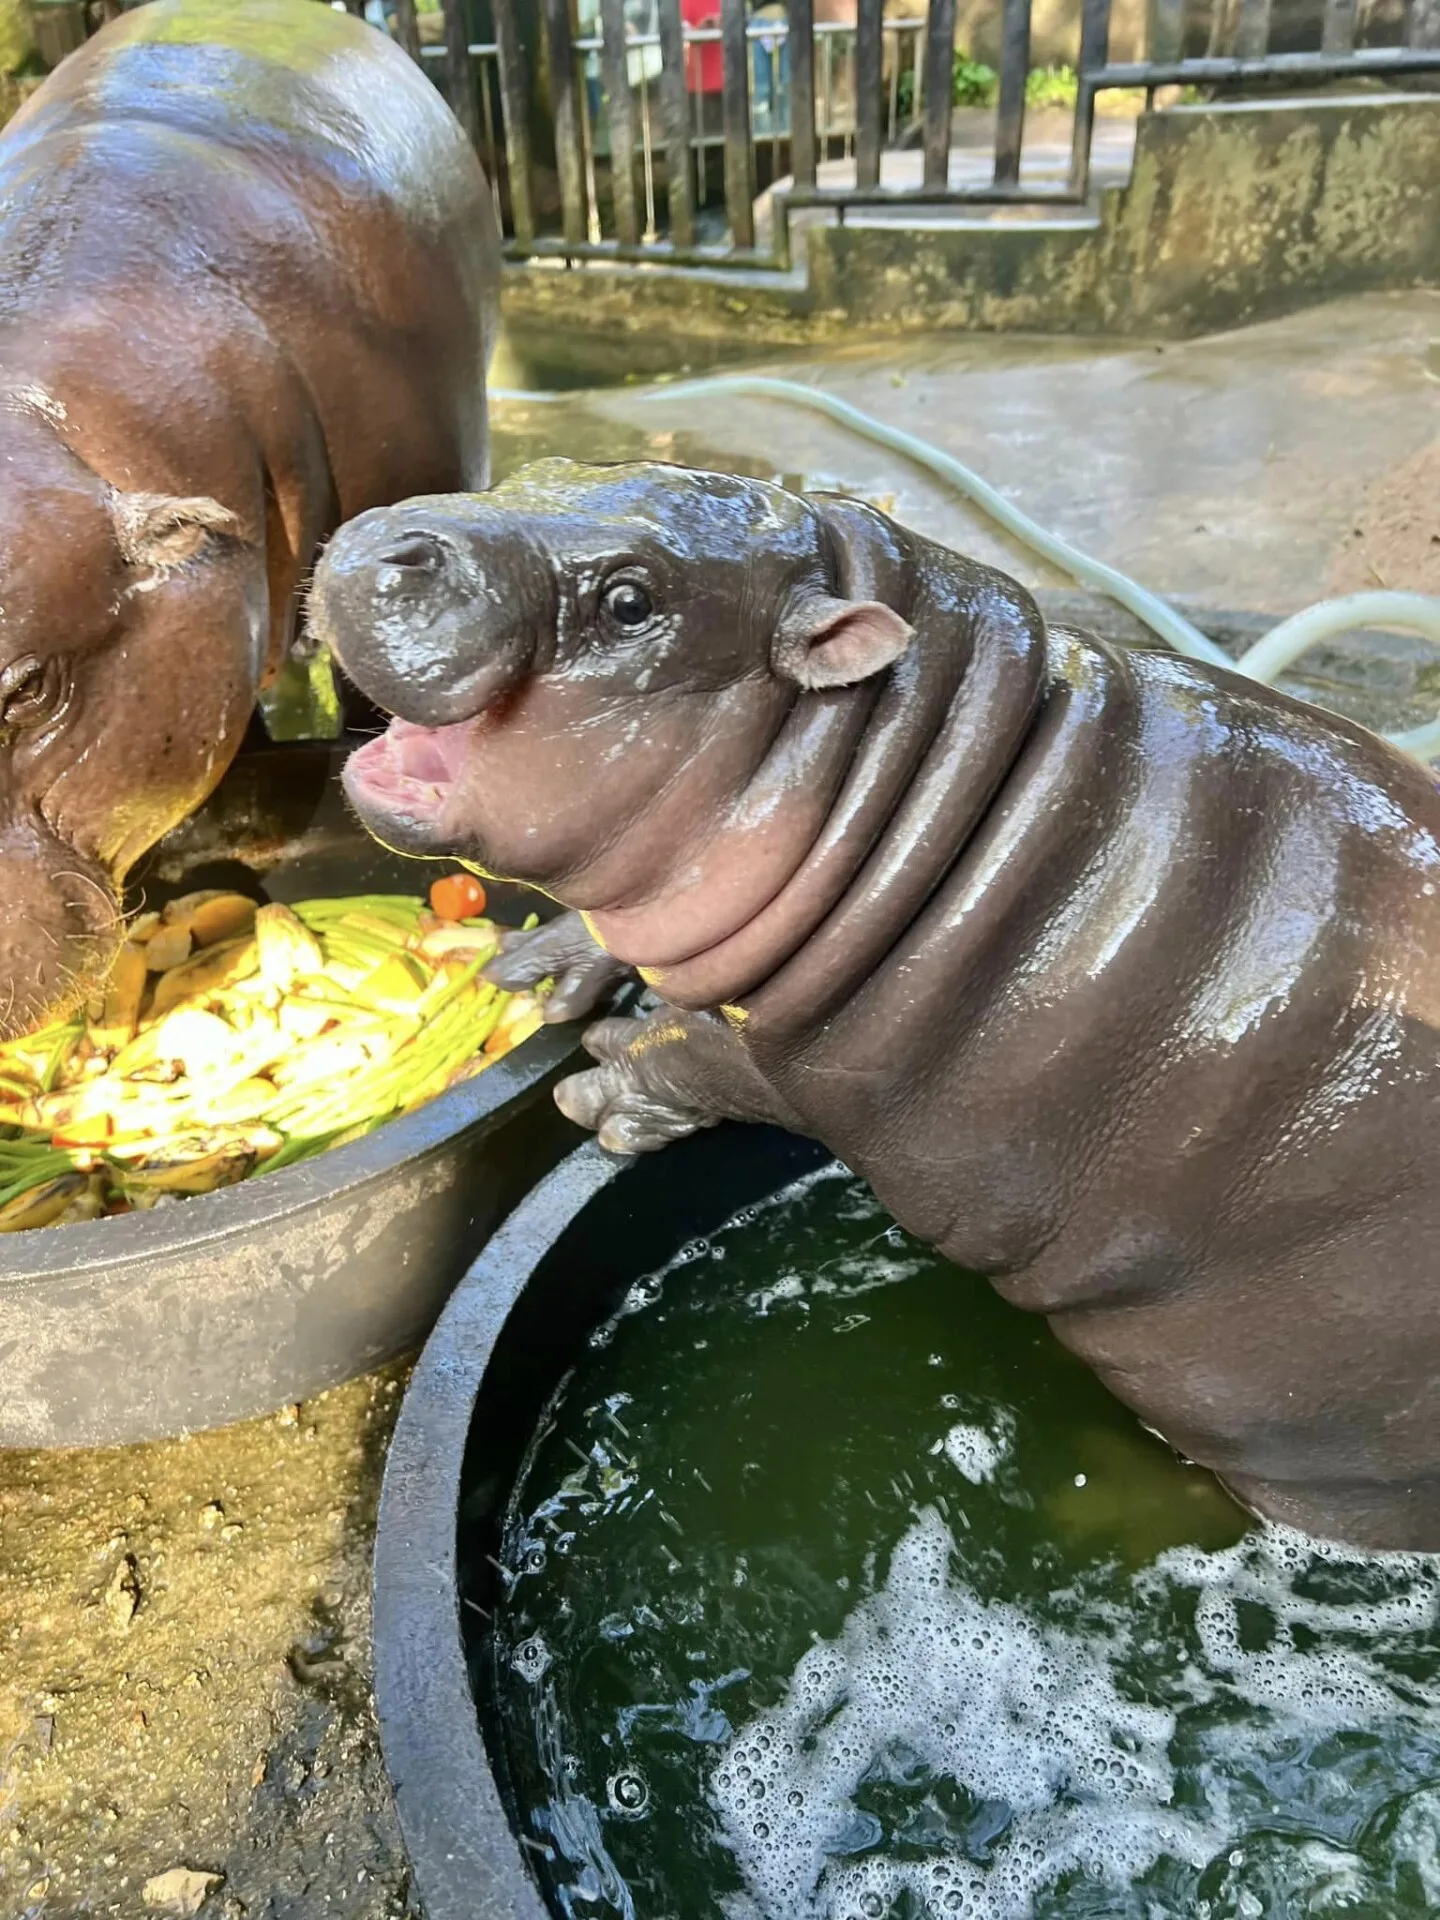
{"points": [[248, 265], [1115, 975]]}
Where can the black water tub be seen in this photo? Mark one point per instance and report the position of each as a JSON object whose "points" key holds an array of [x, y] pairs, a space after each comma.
{"points": [[237, 1302], [514, 1326]]}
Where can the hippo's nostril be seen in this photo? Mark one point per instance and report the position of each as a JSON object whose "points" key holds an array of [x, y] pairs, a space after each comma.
{"points": [[412, 553]]}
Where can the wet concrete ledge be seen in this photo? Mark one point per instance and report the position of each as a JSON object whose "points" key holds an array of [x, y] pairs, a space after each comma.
{"points": [[1233, 213]]}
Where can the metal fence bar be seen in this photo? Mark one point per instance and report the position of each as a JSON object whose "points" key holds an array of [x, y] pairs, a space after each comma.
{"points": [[1275, 66], [407, 27], [647, 160], [736, 112], [1338, 33], [1252, 35], [739, 154], [1165, 39], [490, 158], [942, 196], [802, 92], [1094, 53], [1094, 35], [564, 107], [616, 70], [1014, 70], [938, 87], [587, 148], [675, 113], [869, 90], [554, 248], [769, 50], [827, 92], [514, 106], [459, 72]]}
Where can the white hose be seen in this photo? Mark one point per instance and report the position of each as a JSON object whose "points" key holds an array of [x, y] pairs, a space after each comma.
{"points": [[1264, 661]]}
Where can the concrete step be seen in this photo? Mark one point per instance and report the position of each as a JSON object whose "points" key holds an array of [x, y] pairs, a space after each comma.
{"points": [[1044, 170]]}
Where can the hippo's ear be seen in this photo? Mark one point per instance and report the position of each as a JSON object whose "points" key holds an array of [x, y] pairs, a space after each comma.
{"points": [[826, 642], [158, 531]]}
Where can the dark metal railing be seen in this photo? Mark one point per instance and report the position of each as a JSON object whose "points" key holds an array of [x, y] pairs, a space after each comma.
{"points": [[651, 192], [623, 148], [648, 190]]}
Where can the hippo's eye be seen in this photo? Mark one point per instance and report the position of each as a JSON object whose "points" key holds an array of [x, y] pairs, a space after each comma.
{"points": [[628, 604], [30, 692]]}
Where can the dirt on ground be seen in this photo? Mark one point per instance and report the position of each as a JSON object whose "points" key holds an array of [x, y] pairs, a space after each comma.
{"points": [[185, 1713], [1395, 541]]}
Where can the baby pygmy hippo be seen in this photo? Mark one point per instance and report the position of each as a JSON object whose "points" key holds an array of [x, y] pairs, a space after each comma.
{"points": [[1118, 977]]}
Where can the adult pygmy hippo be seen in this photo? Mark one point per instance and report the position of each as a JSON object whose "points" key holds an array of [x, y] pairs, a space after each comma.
{"points": [[1117, 976], [247, 274]]}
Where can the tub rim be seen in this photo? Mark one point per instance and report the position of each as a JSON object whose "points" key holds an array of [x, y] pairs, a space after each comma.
{"points": [[434, 1715], [466, 1857]]}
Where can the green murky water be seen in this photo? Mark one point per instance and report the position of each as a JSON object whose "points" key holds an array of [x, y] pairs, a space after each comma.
{"points": [[838, 1589]]}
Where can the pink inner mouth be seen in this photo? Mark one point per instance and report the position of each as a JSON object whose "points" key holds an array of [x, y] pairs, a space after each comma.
{"points": [[409, 769]]}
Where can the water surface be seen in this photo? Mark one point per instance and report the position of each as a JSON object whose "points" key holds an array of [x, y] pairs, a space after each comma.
{"points": [[837, 1588]]}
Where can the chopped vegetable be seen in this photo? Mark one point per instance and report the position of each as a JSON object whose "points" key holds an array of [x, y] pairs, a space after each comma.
{"points": [[459, 896], [168, 947], [286, 947], [272, 1035], [209, 972]]}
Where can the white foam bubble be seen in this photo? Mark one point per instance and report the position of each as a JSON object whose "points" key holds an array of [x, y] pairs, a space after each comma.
{"points": [[980, 1695], [929, 1682], [532, 1658], [1318, 1663], [976, 1452]]}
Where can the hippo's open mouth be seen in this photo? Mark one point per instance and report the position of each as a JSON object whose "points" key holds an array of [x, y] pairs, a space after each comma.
{"points": [[405, 776]]}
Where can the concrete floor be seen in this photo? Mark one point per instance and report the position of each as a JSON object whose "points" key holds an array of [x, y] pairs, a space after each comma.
{"points": [[1231, 472], [185, 1664]]}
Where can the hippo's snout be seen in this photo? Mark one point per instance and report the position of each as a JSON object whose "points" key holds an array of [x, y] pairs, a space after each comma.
{"points": [[428, 608]]}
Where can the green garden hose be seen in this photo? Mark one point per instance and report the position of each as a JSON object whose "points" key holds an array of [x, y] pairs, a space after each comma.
{"points": [[1264, 661]]}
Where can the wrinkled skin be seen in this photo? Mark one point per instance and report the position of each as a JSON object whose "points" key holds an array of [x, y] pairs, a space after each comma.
{"points": [[1117, 976], [248, 265]]}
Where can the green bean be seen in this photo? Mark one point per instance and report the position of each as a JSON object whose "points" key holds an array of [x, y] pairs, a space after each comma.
{"points": [[46, 1166]]}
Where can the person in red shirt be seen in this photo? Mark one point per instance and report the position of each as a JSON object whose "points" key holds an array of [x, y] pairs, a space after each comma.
{"points": [[704, 65]]}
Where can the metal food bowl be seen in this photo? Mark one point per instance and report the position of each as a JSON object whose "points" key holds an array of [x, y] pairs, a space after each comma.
{"points": [[515, 1325], [237, 1302]]}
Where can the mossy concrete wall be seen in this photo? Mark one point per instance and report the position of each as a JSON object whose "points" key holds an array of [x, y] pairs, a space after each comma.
{"points": [[1233, 213]]}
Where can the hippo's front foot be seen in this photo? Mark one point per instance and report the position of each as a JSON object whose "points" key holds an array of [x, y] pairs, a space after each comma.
{"points": [[630, 1100], [565, 951], [664, 1077]]}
